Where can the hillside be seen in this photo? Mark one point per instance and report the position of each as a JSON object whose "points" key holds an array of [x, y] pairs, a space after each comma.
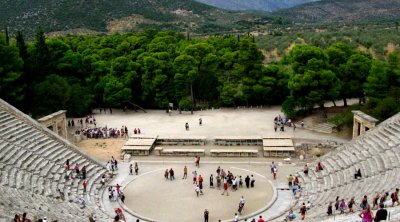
{"points": [[259, 5], [347, 11], [87, 16]]}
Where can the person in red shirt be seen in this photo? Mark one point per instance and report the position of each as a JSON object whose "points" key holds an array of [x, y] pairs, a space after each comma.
{"points": [[261, 219], [84, 186]]}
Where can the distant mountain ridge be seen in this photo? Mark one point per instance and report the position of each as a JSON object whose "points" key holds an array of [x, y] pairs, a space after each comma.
{"points": [[345, 11], [255, 5], [107, 16]]}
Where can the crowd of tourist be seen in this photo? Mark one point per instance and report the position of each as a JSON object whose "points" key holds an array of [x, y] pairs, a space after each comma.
{"points": [[281, 122]]}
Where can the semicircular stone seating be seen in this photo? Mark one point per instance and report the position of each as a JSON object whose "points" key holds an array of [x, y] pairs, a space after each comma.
{"points": [[32, 162], [377, 154]]}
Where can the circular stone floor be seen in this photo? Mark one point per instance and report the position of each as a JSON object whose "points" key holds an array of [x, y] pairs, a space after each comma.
{"points": [[153, 197]]}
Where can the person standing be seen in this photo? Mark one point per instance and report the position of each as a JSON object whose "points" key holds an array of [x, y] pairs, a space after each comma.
{"points": [[194, 173], [131, 169], [84, 186], [225, 189], [211, 181], [184, 173], [166, 174], [395, 197], [218, 181], [274, 173], [247, 181], [252, 180], [200, 179], [290, 180], [200, 122], [136, 168], [273, 166], [197, 161], [187, 126], [206, 213], [84, 172], [171, 174]]}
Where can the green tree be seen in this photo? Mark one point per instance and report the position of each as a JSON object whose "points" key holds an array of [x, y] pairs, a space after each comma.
{"points": [[11, 65], [51, 95], [311, 83], [356, 71]]}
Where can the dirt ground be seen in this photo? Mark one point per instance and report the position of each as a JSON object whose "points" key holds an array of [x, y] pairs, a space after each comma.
{"points": [[219, 122], [102, 149]]}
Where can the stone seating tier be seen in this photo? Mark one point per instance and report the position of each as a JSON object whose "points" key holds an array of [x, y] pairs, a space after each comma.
{"points": [[375, 153], [32, 161]]}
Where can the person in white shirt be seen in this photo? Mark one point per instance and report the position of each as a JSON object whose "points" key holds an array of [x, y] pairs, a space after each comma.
{"points": [[236, 218]]}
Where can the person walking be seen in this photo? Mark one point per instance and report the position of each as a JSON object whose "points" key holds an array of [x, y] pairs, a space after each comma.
{"points": [[247, 181], [197, 189], [366, 215], [381, 214], [184, 173], [236, 219], [303, 211], [342, 206], [330, 210], [351, 204], [241, 205], [200, 122], [206, 213]]}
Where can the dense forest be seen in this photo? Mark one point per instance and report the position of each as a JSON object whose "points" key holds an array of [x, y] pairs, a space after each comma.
{"points": [[153, 69]]}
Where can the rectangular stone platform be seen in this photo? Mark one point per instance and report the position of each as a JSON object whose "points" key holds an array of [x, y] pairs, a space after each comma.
{"points": [[278, 146], [191, 140], [137, 150], [139, 146], [140, 142], [234, 152], [180, 152], [238, 140], [278, 151]]}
